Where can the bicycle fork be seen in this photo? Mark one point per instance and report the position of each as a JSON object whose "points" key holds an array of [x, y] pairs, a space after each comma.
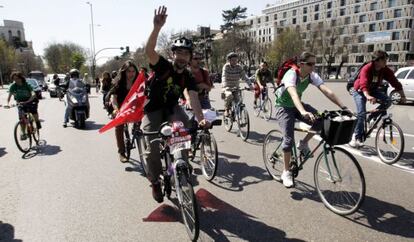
{"points": [[332, 177]]}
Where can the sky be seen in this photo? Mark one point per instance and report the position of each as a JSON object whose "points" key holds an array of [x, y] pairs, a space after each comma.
{"points": [[117, 22]]}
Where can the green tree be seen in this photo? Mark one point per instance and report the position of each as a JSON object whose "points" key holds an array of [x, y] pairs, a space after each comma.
{"points": [[78, 60], [286, 45], [8, 60], [61, 57], [231, 16]]}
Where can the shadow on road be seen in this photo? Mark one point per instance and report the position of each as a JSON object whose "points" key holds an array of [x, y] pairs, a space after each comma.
{"points": [[135, 167], [235, 175], [2, 152], [406, 160], [220, 221], [43, 149], [91, 125], [374, 214], [7, 233], [255, 138]]}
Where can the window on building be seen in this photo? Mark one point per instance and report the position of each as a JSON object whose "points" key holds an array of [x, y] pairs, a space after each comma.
{"points": [[390, 25], [356, 27], [305, 10], [342, 12], [374, 6], [328, 14], [407, 46], [275, 17], [19, 34], [294, 21], [294, 12], [308, 26], [409, 23], [354, 49], [395, 35], [258, 20], [393, 58], [341, 30], [267, 19], [333, 22], [362, 18], [282, 22], [329, 5], [284, 14], [361, 39], [379, 16], [392, 3], [342, 3], [263, 39], [357, 9], [357, 1], [347, 40], [371, 48], [260, 32], [397, 13], [305, 18], [359, 59], [371, 27], [347, 20], [388, 47], [270, 38], [316, 7], [316, 16], [270, 31], [251, 22]]}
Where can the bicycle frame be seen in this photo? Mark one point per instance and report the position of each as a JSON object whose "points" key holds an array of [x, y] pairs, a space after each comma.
{"points": [[384, 117]]}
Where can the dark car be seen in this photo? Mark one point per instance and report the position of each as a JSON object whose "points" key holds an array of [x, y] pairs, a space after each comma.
{"points": [[36, 87]]}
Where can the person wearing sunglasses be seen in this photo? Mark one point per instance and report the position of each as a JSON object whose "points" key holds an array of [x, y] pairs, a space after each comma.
{"points": [[289, 107], [367, 88]]}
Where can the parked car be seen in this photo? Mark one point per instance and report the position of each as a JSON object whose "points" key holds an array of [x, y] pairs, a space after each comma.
{"points": [[333, 76], [52, 86], [406, 76], [36, 87]]}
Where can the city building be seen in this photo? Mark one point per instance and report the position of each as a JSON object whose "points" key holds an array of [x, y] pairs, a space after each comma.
{"points": [[355, 27], [10, 29]]}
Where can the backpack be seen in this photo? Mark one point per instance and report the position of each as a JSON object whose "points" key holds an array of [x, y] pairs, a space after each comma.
{"points": [[287, 65], [353, 78]]}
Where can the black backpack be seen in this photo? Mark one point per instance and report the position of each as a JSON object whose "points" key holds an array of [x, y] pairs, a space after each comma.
{"points": [[353, 78]]}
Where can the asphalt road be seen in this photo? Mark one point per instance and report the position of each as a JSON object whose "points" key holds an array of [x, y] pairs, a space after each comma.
{"points": [[73, 188]]}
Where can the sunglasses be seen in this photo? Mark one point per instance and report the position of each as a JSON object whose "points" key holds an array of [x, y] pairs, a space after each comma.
{"points": [[196, 58], [309, 63]]}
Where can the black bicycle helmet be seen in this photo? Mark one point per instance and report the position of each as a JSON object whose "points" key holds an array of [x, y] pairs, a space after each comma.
{"points": [[232, 55], [182, 43]]}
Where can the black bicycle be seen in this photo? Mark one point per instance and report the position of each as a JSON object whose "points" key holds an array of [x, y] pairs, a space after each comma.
{"points": [[205, 142], [176, 172], [389, 138], [133, 138]]}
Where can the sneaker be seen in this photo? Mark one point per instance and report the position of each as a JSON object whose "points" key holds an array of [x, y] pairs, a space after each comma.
{"points": [[356, 143], [39, 126], [303, 148], [156, 192], [65, 124], [287, 178], [23, 137], [123, 158]]}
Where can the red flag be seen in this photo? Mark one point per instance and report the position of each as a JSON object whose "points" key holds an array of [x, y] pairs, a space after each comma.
{"points": [[132, 109]]}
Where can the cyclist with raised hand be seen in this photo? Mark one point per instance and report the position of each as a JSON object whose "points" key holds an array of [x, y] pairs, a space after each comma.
{"points": [[289, 107], [164, 89], [263, 76], [366, 88], [24, 95], [232, 73]]}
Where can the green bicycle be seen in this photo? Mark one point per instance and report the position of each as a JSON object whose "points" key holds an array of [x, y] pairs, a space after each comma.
{"points": [[338, 177]]}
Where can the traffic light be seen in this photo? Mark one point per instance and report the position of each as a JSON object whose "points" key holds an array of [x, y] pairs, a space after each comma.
{"points": [[127, 49]]}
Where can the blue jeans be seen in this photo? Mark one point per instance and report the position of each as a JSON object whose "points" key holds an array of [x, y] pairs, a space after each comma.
{"points": [[361, 101]]}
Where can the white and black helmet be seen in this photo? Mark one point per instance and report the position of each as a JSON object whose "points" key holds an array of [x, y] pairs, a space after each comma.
{"points": [[182, 43], [74, 73]]}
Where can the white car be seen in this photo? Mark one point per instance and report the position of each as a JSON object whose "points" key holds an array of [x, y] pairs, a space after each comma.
{"points": [[51, 86], [406, 76]]}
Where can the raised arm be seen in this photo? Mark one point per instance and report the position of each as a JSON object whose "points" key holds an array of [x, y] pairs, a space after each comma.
{"points": [[160, 18]]}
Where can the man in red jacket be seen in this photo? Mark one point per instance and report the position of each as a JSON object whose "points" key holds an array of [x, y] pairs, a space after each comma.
{"points": [[367, 89]]}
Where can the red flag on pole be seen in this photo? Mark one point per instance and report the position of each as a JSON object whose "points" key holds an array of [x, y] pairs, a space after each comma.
{"points": [[132, 109]]}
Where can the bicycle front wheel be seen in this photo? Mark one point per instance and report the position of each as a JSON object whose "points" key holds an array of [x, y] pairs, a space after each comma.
{"points": [[127, 141], [389, 143], [267, 109], [209, 156], [273, 154], [228, 122], [35, 131], [22, 137], [339, 181], [243, 123], [188, 205], [257, 107], [142, 148]]}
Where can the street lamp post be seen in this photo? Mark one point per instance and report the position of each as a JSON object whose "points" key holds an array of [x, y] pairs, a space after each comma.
{"points": [[92, 32]]}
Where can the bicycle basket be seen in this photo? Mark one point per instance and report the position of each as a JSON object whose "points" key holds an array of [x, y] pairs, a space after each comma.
{"points": [[338, 127]]}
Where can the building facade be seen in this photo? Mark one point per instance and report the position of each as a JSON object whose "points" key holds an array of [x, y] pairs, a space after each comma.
{"points": [[355, 27], [12, 29]]}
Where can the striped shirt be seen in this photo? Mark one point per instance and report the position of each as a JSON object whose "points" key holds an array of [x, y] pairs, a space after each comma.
{"points": [[231, 76]]}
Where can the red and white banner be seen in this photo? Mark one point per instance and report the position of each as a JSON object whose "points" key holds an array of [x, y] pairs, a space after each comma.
{"points": [[132, 109]]}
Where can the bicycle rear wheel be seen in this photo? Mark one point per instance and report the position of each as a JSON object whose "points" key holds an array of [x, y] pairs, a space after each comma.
{"points": [[142, 148], [209, 156], [339, 181], [273, 154], [389, 143], [243, 123], [267, 109], [22, 138], [188, 204]]}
